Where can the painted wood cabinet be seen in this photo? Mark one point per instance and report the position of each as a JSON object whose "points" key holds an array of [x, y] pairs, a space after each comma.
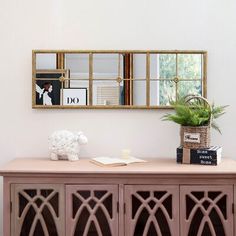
{"points": [[160, 197]]}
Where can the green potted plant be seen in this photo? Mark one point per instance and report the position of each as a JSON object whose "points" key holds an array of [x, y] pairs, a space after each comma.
{"points": [[196, 117]]}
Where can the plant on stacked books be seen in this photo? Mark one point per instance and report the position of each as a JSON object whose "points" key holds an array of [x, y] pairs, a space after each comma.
{"points": [[196, 117]]}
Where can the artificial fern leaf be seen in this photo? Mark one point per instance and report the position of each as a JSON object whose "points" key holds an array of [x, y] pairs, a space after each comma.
{"points": [[195, 112]]}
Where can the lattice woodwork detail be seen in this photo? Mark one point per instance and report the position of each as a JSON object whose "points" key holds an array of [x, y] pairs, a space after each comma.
{"points": [[151, 210], [206, 210], [37, 210], [92, 210]]}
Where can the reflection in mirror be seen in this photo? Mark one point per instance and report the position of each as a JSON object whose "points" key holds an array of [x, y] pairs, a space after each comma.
{"points": [[154, 95], [116, 79], [77, 93], [107, 93], [167, 91], [139, 93], [166, 66], [154, 68], [139, 66], [189, 87], [177, 74], [46, 61], [107, 79], [190, 66], [78, 65], [107, 66]]}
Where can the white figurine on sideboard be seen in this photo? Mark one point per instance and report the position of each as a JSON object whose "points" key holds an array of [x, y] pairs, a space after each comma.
{"points": [[64, 144]]}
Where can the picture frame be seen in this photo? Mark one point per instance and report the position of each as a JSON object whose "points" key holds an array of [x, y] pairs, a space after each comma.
{"points": [[48, 87], [48, 92], [74, 96]]}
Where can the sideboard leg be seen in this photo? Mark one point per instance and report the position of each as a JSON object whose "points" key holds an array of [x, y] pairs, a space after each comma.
{"points": [[6, 208]]}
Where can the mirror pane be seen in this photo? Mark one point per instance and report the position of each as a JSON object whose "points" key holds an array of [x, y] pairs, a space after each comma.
{"points": [[107, 66], [107, 92], [139, 66], [139, 92], [189, 87], [167, 66], [190, 66], [154, 66], [154, 93], [77, 83], [78, 65], [167, 92], [46, 61]]}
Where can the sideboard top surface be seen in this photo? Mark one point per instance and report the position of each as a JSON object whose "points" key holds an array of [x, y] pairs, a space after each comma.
{"points": [[161, 166]]}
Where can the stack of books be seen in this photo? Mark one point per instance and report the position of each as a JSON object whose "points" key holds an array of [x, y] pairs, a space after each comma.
{"points": [[206, 156]]}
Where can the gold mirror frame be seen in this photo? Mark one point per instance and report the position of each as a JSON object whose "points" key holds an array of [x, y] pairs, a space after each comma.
{"points": [[64, 76]]}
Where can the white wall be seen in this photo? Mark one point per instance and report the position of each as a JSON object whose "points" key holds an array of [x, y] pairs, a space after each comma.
{"points": [[109, 24]]}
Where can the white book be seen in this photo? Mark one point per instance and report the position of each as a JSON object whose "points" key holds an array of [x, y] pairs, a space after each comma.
{"points": [[110, 161]]}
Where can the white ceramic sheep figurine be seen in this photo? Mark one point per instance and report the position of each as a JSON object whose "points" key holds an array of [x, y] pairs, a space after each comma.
{"points": [[64, 144]]}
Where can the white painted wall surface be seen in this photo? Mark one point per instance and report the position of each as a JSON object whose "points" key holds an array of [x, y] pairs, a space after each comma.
{"points": [[108, 24]]}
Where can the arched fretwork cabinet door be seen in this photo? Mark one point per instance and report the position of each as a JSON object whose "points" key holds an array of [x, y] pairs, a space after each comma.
{"points": [[92, 210], [206, 210], [37, 210], [151, 210]]}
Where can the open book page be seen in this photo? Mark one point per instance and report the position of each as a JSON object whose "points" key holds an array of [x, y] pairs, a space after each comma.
{"points": [[132, 160], [109, 161]]}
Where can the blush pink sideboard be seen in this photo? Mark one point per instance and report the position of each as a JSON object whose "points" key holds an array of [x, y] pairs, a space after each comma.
{"points": [[160, 197]]}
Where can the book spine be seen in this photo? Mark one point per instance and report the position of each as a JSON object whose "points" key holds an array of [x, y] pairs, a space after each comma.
{"points": [[203, 160], [199, 152], [200, 156]]}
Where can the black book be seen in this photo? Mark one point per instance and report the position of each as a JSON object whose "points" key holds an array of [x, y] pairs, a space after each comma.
{"points": [[199, 161], [205, 156]]}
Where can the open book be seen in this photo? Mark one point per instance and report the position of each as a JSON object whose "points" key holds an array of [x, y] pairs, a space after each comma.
{"points": [[109, 161]]}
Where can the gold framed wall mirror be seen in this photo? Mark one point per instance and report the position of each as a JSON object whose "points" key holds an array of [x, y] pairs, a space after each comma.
{"points": [[116, 79]]}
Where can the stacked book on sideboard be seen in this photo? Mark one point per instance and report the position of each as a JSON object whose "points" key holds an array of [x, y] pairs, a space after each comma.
{"points": [[205, 156]]}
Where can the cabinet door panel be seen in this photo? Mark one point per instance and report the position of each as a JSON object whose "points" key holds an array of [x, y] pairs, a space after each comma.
{"points": [[92, 210], [38, 210], [152, 210], [206, 210]]}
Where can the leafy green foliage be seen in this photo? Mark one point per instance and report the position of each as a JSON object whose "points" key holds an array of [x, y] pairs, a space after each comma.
{"points": [[195, 113]]}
